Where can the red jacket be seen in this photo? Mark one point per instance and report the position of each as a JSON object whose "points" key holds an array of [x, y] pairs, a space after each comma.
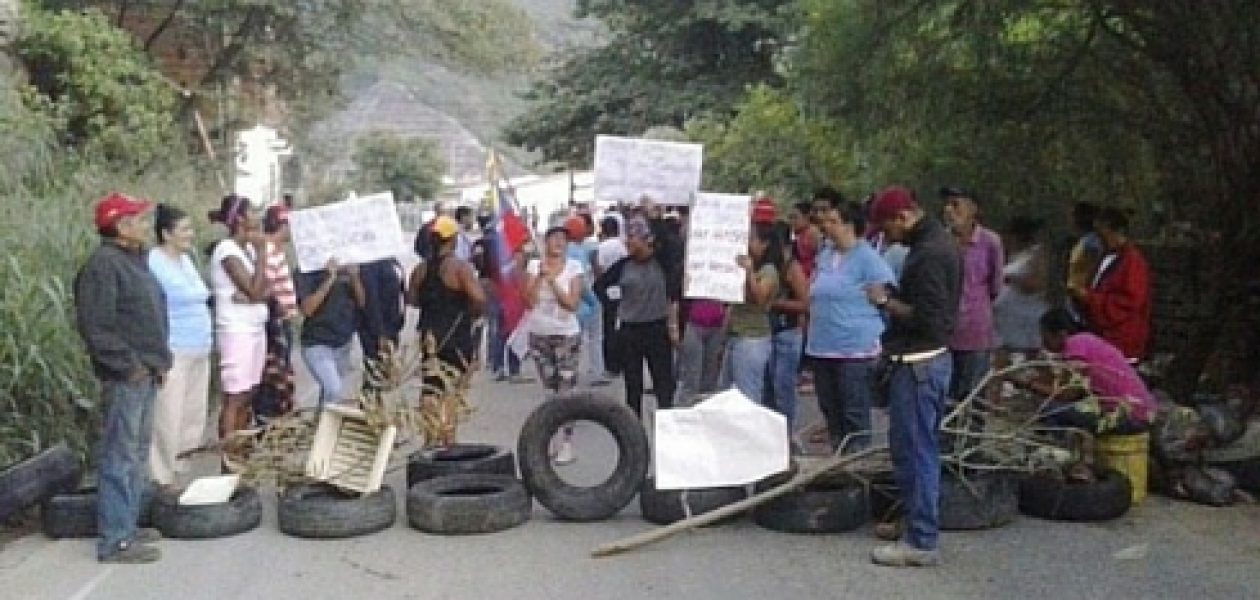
{"points": [[1118, 307]]}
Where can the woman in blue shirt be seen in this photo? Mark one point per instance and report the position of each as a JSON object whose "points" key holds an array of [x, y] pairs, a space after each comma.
{"points": [[180, 412], [844, 327]]}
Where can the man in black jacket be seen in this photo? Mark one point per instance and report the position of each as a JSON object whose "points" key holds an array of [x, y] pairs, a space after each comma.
{"points": [[121, 315], [921, 315]]}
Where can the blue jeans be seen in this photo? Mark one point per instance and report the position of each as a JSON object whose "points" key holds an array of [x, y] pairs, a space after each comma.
{"points": [[845, 390], [970, 367], [122, 458], [916, 403], [785, 365], [329, 366], [745, 366]]}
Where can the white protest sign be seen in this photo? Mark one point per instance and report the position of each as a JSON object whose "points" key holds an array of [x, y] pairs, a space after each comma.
{"points": [[716, 234], [627, 169], [725, 440], [354, 231]]}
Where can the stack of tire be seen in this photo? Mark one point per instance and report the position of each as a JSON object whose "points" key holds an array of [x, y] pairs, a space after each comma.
{"points": [[465, 489]]}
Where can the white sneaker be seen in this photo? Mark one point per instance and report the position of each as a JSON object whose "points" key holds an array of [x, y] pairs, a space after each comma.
{"points": [[564, 453]]}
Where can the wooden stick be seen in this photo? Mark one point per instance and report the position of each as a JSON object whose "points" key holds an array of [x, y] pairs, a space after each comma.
{"points": [[801, 478]]}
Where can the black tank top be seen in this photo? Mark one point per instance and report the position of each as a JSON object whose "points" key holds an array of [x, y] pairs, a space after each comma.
{"points": [[444, 314]]}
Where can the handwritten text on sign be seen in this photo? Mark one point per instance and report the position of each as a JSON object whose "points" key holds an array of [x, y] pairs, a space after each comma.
{"points": [[355, 231], [626, 169], [718, 233]]}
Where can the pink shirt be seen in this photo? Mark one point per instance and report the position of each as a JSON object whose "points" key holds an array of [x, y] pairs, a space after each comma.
{"points": [[982, 282], [1111, 377]]}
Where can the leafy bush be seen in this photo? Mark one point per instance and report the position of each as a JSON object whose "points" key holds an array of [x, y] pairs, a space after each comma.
{"points": [[409, 167], [100, 93]]}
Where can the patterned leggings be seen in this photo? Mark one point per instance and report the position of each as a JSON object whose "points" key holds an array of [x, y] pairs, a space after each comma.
{"points": [[557, 360]]}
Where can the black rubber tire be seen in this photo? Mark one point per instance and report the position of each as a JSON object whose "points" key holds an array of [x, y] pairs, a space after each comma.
{"points": [[1048, 497], [73, 515], [885, 499], [1246, 473], [962, 510], [468, 504], [816, 509], [459, 459], [323, 512], [55, 470], [663, 507], [571, 502], [242, 513]]}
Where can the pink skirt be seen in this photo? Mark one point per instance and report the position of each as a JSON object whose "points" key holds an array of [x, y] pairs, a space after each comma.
{"points": [[242, 357]]}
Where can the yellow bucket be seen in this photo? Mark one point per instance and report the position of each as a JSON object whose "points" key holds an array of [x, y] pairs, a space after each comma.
{"points": [[1127, 454]]}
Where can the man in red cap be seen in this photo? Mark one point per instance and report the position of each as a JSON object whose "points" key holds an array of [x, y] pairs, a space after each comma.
{"points": [[121, 315], [921, 315]]}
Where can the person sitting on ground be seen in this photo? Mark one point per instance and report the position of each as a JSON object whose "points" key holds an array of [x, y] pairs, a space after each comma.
{"points": [[1116, 400]]}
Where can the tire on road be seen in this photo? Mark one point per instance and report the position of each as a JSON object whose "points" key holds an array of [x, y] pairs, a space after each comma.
{"points": [[992, 500], [459, 459], [323, 512], [241, 513], [73, 515], [832, 508], [663, 507], [468, 504], [1049, 497], [38, 478], [572, 502]]}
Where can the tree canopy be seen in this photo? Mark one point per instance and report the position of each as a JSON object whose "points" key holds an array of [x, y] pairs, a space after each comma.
{"points": [[411, 168], [664, 63]]}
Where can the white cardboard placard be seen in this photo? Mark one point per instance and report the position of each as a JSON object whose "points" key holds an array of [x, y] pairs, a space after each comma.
{"points": [[725, 440], [355, 231], [210, 490], [626, 169], [717, 233]]}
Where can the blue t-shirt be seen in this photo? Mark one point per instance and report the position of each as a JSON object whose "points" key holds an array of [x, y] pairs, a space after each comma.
{"points": [[187, 297], [842, 321]]}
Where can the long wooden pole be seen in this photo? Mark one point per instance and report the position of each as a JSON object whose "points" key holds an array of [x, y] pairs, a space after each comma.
{"points": [[798, 480]]}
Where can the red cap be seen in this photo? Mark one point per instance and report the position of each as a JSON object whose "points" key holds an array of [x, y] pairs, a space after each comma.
{"points": [[763, 210], [575, 227], [889, 203], [116, 206]]}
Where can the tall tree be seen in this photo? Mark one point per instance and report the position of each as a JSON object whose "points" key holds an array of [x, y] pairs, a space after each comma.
{"points": [[1153, 104], [664, 63]]}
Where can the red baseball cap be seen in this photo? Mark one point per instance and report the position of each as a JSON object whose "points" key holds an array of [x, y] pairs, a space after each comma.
{"points": [[763, 210], [116, 206], [889, 202], [575, 227]]}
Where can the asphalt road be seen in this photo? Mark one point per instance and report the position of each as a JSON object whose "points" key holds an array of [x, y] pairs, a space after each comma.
{"points": [[1161, 549], [1166, 550]]}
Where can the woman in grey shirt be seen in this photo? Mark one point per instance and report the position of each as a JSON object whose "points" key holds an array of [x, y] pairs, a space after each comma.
{"points": [[648, 288]]}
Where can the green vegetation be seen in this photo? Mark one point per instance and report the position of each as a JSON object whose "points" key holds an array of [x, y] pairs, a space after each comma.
{"points": [[100, 95], [411, 168], [1143, 104]]}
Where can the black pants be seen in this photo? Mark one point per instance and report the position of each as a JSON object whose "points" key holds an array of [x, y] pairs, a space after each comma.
{"points": [[612, 357], [650, 342]]}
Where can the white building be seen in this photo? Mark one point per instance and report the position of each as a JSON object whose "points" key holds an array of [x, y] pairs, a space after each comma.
{"points": [[259, 166]]}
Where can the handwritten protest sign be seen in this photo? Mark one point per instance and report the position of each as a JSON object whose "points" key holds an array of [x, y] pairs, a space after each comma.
{"points": [[354, 231], [627, 169], [718, 232]]}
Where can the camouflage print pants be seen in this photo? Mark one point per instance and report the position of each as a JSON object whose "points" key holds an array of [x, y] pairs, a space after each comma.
{"points": [[557, 360]]}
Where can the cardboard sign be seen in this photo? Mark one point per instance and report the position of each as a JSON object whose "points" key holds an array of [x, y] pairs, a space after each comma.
{"points": [[717, 233], [355, 231], [626, 169], [725, 440]]}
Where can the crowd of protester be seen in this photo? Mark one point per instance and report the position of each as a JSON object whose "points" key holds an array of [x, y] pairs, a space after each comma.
{"points": [[879, 298]]}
